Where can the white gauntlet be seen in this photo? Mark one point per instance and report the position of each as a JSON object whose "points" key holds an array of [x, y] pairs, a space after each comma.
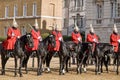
{"points": [[40, 38], [60, 38], [13, 34], [18, 36], [119, 40], [79, 39]]}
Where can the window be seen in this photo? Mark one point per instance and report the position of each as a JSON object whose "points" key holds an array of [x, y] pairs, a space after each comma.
{"points": [[24, 10], [6, 11], [5, 31], [15, 10], [23, 30], [118, 10], [112, 10], [115, 9], [99, 11], [34, 9], [78, 5]]}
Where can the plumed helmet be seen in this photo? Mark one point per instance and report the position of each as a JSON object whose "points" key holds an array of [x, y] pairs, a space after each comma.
{"points": [[91, 28], [36, 24], [115, 28], [76, 27], [15, 23]]}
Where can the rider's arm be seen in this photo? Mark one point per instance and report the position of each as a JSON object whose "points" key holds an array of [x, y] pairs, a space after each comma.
{"points": [[74, 37], [89, 38], [9, 33]]}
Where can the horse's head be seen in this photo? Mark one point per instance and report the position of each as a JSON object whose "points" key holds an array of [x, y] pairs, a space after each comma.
{"points": [[52, 40], [29, 40]]}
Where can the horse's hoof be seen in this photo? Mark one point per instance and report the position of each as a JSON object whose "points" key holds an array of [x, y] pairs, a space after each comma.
{"points": [[60, 73], [39, 74], [63, 71], [84, 69], [117, 73], [21, 75], [48, 70], [15, 76], [2, 73], [99, 73]]}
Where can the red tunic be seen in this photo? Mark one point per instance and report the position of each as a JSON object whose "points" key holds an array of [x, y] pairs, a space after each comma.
{"points": [[57, 36], [90, 38], [114, 41], [75, 37], [35, 35], [10, 42]]}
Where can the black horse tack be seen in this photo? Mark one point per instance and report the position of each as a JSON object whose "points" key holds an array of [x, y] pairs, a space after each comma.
{"points": [[18, 52]]}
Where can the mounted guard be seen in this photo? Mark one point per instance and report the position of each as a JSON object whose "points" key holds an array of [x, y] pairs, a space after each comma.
{"points": [[12, 35], [36, 36], [92, 38]]}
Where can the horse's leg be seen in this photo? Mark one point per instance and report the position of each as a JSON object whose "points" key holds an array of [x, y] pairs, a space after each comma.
{"points": [[85, 60], [38, 60], [96, 65], [102, 65], [106, 63], [15, 66], [117, 63], [3, 61], [48, 59], [43, 63], [61, 63], [25, 63], [114, 61], [99, 65], [33, 60], [78, 67], [20, 66], [67, 64]]}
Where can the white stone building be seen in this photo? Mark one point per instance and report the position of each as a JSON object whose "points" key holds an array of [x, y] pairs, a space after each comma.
{"points": [[101, 13], [74, 12]]}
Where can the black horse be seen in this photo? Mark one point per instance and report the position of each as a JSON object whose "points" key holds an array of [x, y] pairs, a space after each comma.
{"points": [[99, 55], [74, 52], [18, 52], [117, 59], [64, 56], [84, 55], [40, 53]]}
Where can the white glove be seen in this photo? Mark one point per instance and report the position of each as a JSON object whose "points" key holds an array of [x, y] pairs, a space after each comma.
{"points": [[60, 38], [119, 40], [94, 40], [79, 39], [40, 38], [18, 36], [13, 34]]}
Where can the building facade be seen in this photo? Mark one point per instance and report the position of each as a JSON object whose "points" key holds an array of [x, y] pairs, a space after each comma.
{"points": [[48, 13], [74, 13], [103, 14]]}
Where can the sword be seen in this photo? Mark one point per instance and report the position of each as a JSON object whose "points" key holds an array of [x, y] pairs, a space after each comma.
{"points": [[31, 26]]}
